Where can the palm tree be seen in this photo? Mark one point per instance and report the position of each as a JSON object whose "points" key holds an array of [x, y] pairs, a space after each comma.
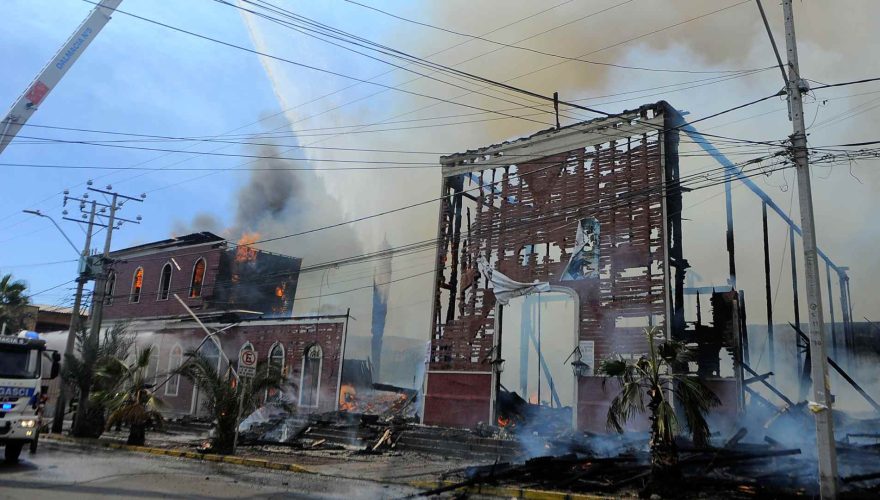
{"points": [[12, 302], [226, 399], [128, 396], [653, 379], [80, 371]]}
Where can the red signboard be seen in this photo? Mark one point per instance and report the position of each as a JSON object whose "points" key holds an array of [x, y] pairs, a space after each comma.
{"points": [[36, 94]]}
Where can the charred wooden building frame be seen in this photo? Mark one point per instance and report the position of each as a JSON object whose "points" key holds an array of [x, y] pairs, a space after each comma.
{"points": [[593, 209], [525, 208]]}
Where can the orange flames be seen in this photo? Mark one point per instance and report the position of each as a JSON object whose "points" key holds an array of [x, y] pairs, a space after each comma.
{"points": [[279, 291], [245, 251], [347, 398], [503, 421], [533, 399], [371, 401]]}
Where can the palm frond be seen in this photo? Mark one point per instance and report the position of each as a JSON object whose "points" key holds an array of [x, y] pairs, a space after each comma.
{"points": [[696, 400]]}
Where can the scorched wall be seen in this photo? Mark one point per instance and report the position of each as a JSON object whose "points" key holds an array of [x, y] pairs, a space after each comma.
{"points": [[592, 208]]}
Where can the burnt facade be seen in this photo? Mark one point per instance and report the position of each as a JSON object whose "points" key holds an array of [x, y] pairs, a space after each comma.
{"points": [[245, 295], [208, 273], [593, 209]]}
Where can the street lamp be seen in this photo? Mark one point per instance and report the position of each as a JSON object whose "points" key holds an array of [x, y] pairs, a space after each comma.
{"points": [[41, 214], [496, 360]]}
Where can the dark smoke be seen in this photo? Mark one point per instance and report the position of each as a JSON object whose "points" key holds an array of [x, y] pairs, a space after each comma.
{"points": [[201, 222]]}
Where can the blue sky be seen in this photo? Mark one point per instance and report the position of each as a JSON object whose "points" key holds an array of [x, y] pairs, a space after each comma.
{"points": [[138, 77], [134, 77]]}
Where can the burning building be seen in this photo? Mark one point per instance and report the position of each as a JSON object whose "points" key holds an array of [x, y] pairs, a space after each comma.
{"points": [[588, 215], [243, 294]]}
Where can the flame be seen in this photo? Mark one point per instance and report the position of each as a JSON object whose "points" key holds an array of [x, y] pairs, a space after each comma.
{"points": [[503, 421], [245, 251], [347, 398], [279, 291], [533, 399]]}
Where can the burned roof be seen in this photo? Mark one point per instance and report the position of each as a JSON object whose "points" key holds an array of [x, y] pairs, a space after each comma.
{"points": [[645, 118], [175, 242]]}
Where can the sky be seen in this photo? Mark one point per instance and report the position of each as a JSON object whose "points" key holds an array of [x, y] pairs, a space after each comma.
{"points": [[138, 77]]}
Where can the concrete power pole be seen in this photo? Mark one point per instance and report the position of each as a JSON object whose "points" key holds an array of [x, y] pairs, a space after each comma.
{"points": [[100, 273], [827, 453], [84, 275]]}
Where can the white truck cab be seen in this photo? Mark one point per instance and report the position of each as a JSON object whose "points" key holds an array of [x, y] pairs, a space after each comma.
{"points": [[21, 390]]}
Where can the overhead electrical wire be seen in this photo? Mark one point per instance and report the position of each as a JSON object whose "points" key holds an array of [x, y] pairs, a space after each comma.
{"points": [[360, 42], [535, 51], [682, 182], [504, 84], [202, 176], [197, 35], [329, 94], [497, 29], [743, 174], [309, 66]]}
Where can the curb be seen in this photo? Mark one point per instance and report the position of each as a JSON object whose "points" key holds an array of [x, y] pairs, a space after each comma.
{"points": [[499, 491], [171, 452], [509, 491]]}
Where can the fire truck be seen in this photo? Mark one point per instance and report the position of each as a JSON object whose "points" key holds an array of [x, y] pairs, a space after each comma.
{"points": [[22, 390]]}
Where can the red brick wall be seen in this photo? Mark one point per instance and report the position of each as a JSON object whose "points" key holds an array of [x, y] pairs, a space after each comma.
{"points": [[531, 214], [458, 399], [149, 305], [594, 399], [294, 337]]}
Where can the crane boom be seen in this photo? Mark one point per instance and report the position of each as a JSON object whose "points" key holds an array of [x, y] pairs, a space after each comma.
{"points": [[52, 73]]}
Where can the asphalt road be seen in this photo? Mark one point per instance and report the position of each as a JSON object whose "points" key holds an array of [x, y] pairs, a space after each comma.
{"points": [[61, 471]]}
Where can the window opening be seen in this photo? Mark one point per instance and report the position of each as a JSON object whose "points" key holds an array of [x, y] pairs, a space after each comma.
{"points": [[165, 282], [311, 376], [175, 359], [110, 289], [198, 277], [137, 283], [276, 360]]}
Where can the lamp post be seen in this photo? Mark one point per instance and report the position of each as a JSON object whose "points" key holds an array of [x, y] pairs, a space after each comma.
{"points": [[41, 214], [497, 361], [61, 402]]}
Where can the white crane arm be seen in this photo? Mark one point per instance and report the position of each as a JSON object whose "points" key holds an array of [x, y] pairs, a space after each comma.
{"points": [[51, 74]]}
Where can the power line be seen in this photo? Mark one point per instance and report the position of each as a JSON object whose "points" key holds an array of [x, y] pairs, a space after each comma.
{"points": [[722, 180], [40, 264], [682, 182], [309, 66], [51, 288], [458, 72], [374, 94], [528, 49]]}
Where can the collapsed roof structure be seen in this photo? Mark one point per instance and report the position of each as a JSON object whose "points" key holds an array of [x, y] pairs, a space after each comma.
{"points": [[590, 212]]}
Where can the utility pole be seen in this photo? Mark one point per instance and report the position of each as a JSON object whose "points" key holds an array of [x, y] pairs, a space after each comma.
{"points": [[827, 454], [97, 269], [61, 403], [81, 280]]}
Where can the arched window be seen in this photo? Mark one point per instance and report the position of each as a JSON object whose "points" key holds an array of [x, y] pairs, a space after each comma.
{"points": [[276, 356], [175, 359], [211, 354], [153, 367], [137, 282], [110, 289], [164, 282], [276, 360], [198, 277], [310, 382]]}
